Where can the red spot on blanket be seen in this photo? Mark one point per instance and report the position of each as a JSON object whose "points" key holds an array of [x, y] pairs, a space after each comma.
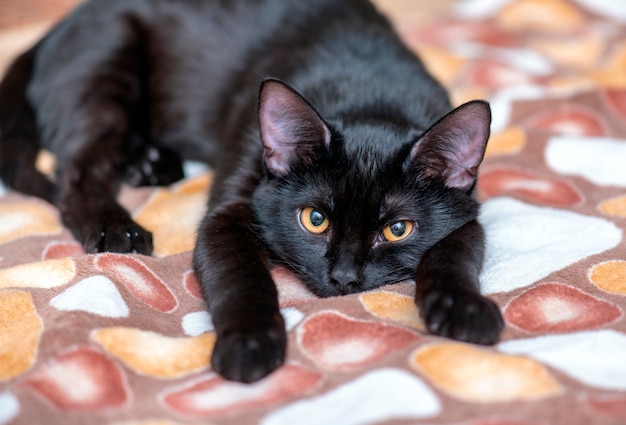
{"points": [[191, 284], [291, 290], [80, 379], [452, 32], [139, 280], [613, 406], [616, 99], [215, 396], [571, 120], [337, 342], [528, 186], [498, 422], [556, 307], [495, 75], [55, 250]]}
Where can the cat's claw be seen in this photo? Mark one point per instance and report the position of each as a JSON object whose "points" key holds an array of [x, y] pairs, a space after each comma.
{"points": [[121, 237], [463, 316], [249, 355]]}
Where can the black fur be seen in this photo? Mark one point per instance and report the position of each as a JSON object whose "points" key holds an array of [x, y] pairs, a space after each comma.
{"points": [[295, 104]]}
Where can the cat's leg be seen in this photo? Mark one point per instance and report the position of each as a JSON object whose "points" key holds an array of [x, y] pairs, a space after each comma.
{"points": [[230, 265], [153, 165], [447, 289], [87, 83], [19, 138], [88, 184], [94, 127]]}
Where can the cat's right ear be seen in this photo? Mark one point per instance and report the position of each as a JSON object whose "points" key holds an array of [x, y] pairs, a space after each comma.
{"points": [[291, 130]]}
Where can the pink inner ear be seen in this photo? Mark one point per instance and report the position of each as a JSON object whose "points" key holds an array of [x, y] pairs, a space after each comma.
{"points": [[458, 141], [275, 133], [290, 127]]}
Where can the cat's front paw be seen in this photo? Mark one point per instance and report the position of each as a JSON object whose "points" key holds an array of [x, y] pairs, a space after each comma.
{"points": [[247, 355], [123, 236], [463, 316]]}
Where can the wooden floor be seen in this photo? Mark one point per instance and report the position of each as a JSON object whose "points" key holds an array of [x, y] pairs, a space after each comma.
{"points": [[22, 22]]}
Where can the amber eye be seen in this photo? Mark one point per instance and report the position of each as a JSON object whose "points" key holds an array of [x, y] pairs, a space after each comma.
{"points": [[397, 231], [314, 220]]}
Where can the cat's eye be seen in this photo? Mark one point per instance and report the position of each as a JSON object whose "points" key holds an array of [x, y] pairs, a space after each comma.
{"points": [[314, 220], [397, 231]]}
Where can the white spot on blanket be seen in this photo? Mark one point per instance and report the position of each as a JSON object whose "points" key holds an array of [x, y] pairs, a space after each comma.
{"points": [[479, 8], [292, 317], [595, 358], [526, 243], [502, 103], [197, 323], [598, 159], [383, 394], [194, 168], [9, 408], [96, 295]]}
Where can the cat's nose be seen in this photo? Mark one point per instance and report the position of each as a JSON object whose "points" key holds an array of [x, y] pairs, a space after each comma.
{"points": [[344, 279]]}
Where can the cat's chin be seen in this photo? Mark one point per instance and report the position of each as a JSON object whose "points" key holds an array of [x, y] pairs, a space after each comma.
{"points": [[328, 290], [325, 290]]}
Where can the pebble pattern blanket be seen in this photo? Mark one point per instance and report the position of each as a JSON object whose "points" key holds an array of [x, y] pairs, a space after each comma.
{"points": [[125, 339]]}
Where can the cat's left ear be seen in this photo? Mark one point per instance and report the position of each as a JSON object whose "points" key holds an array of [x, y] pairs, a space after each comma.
{"points": [[291, 130], [454, 147]]}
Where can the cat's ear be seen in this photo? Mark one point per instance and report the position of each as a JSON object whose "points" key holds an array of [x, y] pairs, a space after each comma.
{"points": [[454, 147], [291, 130]]}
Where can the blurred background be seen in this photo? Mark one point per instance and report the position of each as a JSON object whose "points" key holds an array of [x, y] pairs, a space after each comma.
{"points": [[22, 22]]}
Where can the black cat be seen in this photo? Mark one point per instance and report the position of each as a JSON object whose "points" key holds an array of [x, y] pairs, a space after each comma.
{"points": [[334, 152]]}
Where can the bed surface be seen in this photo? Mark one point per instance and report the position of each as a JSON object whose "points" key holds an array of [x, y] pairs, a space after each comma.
{"points": [[125, 339]]}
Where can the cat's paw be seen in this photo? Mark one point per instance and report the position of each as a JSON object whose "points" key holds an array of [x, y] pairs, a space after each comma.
{"points": [[154, 167], [463, 316], [123, 236], [251, 354]]}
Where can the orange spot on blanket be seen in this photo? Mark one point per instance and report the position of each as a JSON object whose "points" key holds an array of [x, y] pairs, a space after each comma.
{"points": [[610, 276], [553, 16], [507, 142], [18, 220], [479, 375], [20, 330], [152, 354], [392, 306], [173, 215], [43, 274], [615, 206]]}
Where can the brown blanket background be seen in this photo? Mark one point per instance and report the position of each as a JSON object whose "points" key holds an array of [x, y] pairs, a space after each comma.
{"points": [[125, 339]]}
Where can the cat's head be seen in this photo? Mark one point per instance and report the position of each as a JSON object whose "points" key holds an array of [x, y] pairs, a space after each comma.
{"points": [[353, 206]]}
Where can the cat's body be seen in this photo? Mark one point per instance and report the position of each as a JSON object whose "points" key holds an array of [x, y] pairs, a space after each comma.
{"points": [[347, 187]]}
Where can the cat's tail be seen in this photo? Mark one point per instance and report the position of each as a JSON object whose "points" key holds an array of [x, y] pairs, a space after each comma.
{"points": [[19, 137]]}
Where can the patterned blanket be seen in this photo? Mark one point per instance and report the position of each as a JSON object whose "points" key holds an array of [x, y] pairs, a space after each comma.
{"points": [[126, 340]]}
